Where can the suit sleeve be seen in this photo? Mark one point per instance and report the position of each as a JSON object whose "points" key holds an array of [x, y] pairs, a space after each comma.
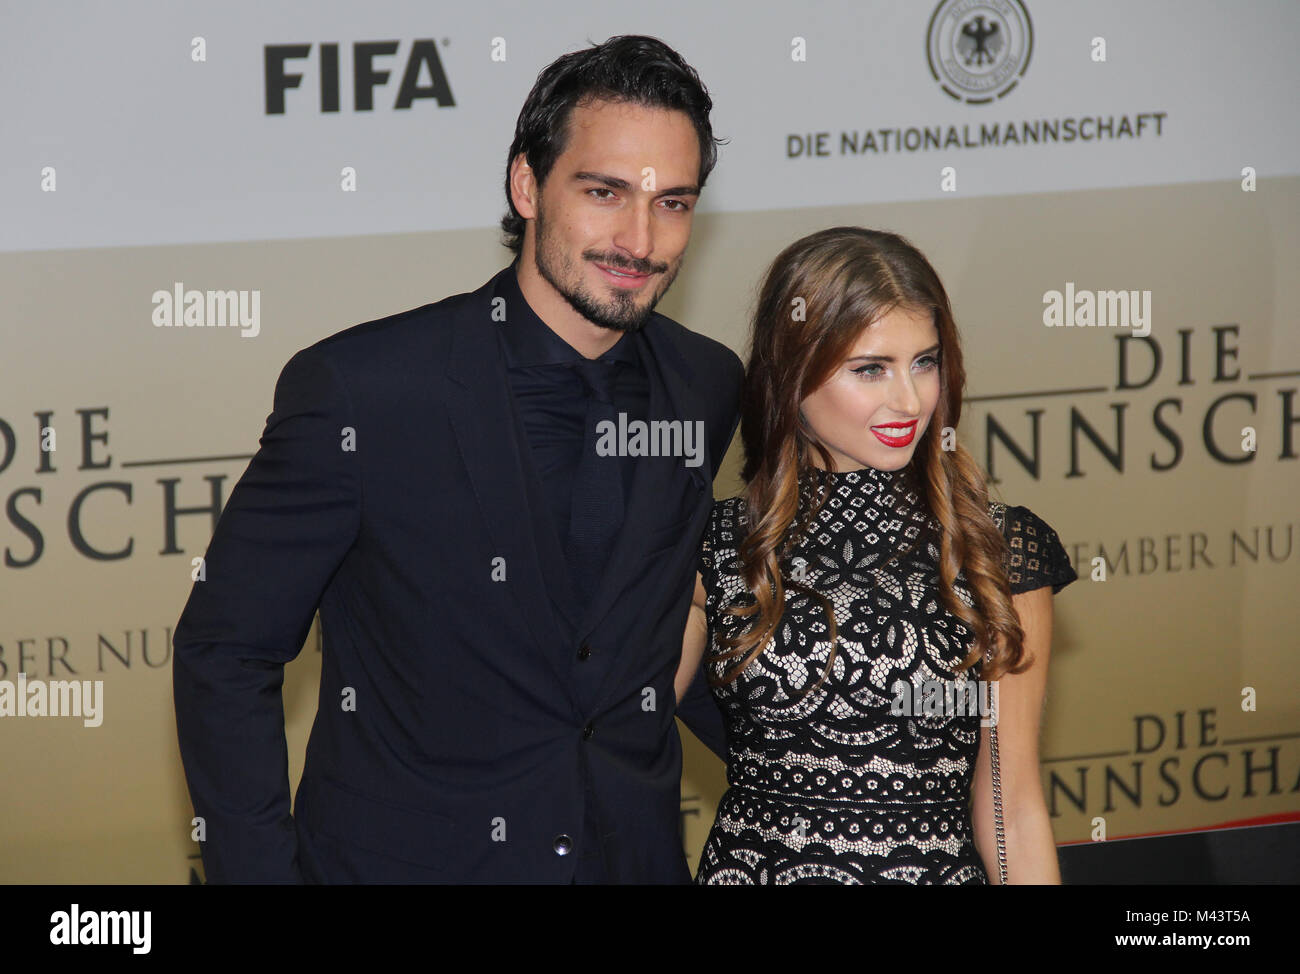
{"points": [[701, 713], [698, 709], [286, 528]]}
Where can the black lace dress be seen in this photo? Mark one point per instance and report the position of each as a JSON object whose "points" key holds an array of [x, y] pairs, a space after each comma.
{"points": [[832, 786]]}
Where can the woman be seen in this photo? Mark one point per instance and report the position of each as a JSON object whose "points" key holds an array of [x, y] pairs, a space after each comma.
{"points": [[861, 574]]}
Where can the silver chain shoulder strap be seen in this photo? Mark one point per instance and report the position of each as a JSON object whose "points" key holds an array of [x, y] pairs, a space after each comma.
{"points": [[998, 510]]}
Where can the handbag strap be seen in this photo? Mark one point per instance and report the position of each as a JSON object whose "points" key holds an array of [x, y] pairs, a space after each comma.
{"points": [[998, 510]]}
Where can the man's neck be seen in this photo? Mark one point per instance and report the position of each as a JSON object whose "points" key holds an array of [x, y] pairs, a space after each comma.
{"points": [[589, 339]]}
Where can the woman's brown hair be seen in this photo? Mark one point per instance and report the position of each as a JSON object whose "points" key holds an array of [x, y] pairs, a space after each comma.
{"points": [[816, 299]]}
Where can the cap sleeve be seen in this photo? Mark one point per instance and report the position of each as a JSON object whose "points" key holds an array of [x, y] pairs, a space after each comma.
{"points": [[1036, 557]]}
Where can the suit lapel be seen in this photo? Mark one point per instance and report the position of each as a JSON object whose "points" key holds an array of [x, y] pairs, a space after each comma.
{"points": [[672, 397], [482, 419]]}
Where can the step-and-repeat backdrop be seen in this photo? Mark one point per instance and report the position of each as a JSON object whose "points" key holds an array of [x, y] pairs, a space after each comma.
{"points": [[329, 166]]}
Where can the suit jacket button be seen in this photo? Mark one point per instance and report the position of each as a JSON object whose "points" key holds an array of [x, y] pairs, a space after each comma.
{"points": [[584, 651], [588, 731], [562, 844]]}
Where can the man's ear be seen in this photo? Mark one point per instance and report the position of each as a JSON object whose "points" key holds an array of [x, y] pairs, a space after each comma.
{"points": [[523, 187]]}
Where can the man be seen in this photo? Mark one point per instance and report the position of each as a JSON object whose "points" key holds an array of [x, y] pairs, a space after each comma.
{"points": [[502, 604]]}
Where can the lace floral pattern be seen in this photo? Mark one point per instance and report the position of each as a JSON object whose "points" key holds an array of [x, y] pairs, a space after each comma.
{"points": [[828, 784]]}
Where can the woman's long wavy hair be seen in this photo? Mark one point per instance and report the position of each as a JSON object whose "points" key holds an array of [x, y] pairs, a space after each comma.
{"points": [[848, 278]]}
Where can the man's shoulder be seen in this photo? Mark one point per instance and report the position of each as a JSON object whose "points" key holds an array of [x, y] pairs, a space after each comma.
{"points": [[714, 357], [403, 337], [414, 324]]}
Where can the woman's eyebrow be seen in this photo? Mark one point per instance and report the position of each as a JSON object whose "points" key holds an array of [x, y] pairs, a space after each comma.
{"points": [[888, 358]]}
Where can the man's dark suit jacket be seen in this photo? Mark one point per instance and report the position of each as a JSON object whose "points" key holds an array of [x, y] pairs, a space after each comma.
{"points": [[465, 703]]}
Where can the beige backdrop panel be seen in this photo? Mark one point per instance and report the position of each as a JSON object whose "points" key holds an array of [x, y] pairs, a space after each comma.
{"points": [[108, 804]]}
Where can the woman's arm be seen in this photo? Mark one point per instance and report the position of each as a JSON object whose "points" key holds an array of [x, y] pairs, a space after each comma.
{"points": [[693, 641], [1030, 845]]}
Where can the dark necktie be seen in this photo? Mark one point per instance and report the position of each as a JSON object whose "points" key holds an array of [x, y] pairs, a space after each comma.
{"points": [[597, 508]]}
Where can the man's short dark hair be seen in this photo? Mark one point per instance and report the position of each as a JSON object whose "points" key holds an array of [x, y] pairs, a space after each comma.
{"points": [[629, 68]]}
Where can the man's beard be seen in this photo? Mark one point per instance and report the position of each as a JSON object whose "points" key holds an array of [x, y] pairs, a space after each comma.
{"points": [[621, 313]]}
